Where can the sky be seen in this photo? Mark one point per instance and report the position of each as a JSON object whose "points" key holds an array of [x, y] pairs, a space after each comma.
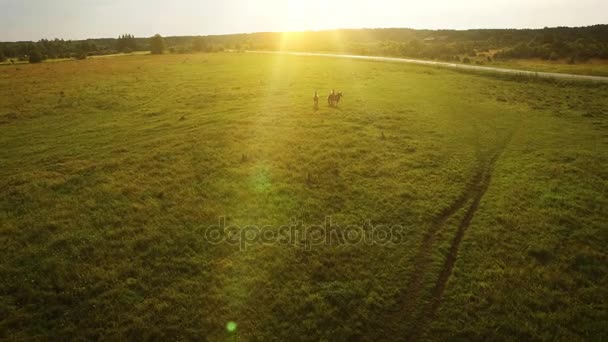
{"points": [[79, 19]]}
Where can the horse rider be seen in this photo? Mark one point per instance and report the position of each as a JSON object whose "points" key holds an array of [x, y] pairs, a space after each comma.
{"points": [[331, 98]]}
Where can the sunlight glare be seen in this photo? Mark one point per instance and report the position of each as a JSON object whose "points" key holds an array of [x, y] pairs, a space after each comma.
{"points": [[304, 15]]}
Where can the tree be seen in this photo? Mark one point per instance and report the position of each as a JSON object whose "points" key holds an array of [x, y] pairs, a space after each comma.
{"points": [[131, 43], [83, 50], [157, 44], [2, 56], [120, 43], [126, 43], [35, 56]]}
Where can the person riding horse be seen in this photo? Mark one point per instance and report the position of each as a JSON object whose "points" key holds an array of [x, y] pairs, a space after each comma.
{"points": [[331, 97], [334, 98]]}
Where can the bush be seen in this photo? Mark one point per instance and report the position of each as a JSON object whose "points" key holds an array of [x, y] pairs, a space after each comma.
{"points": [[157, 44], [35, 57], [183, 49], [466, 60], [81, 55], [217, 48]]}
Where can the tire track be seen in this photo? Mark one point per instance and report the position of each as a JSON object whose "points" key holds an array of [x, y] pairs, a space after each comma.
{"points": [[415, 286], [410, 307], [405, 308], [480, 187]]}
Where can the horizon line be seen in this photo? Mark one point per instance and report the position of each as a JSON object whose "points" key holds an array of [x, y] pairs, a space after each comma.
{"points": [[305, 31]]}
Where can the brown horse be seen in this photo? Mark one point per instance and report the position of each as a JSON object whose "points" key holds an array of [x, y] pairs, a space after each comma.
{"points": [[334, 98]]}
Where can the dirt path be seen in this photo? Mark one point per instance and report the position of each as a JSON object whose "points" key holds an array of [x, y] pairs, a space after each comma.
{"points": [[554, 75]]}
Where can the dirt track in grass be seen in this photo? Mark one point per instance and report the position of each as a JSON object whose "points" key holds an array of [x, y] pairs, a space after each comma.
{"points": [[552, 75]]}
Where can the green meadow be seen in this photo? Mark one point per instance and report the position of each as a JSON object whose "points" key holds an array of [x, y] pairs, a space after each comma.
{"points": [[595, 67], [114, 170]]}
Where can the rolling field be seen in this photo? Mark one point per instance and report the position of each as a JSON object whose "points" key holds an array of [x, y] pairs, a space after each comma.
{"points": [[113, 171]]}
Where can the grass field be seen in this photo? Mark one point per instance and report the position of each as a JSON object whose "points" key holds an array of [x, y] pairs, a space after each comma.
{"points": [[112, 170], [594, 67]]}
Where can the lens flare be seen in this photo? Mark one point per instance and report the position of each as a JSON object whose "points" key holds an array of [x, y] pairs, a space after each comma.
{"points": [[231, 326]]}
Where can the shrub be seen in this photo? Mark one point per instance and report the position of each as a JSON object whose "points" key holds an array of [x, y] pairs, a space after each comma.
{"points": [[81, 55], [157, 44], [466, 60], [35, 56], [184, 49]]}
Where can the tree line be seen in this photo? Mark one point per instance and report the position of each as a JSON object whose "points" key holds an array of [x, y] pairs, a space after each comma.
{"points": [[574, 44], [36, 52], [126, 43]]}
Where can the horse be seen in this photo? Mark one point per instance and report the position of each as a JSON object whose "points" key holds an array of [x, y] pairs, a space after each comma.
{"points": [[334, 98], [338, 98]]}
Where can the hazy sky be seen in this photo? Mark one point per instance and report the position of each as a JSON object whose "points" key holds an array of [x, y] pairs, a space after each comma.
{"points": [[76, 19]]}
